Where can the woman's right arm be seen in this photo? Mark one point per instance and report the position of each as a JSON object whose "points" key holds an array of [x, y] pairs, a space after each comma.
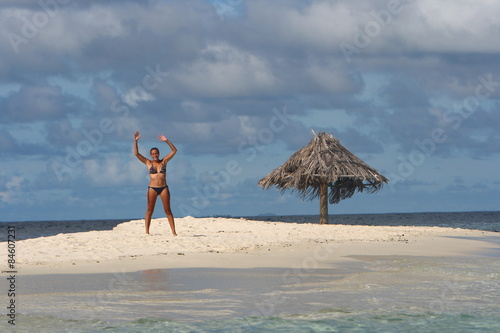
{"points": [[141, 158]]}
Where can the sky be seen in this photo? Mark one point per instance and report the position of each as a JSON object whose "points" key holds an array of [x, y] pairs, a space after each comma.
{"points": [[410, 87]]}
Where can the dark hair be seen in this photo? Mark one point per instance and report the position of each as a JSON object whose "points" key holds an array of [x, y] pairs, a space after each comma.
{"points": [[151, 150]]}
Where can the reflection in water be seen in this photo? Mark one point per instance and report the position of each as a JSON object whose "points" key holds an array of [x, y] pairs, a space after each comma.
{"points": [[155, 279]]}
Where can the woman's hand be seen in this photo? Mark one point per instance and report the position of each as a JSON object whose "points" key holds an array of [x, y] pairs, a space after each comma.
{"points": [[137, 136], [162, 138]]}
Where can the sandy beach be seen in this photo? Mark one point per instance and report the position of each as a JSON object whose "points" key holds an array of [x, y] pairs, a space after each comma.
{"points": [[251, 274], [100, 247]]}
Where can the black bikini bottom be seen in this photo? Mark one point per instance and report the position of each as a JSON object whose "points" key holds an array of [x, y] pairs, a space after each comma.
{"points": [[158, 189]]}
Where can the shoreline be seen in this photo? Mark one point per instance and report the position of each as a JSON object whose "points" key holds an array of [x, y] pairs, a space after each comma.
{"points": [[239, 273], [234, 243]]}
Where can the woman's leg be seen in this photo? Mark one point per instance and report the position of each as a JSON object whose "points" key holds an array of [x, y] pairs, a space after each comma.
{"points": [[165, 198], [151, 195]]}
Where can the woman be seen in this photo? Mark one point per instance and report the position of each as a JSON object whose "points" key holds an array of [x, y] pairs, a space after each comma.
{"points": [[158, 180]]}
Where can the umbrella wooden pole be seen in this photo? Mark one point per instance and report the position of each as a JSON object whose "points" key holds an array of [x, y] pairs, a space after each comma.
{"points": [[323, 203]]}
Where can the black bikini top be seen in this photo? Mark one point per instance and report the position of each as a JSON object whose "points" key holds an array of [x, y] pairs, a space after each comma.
{"points": [[153, 170]]}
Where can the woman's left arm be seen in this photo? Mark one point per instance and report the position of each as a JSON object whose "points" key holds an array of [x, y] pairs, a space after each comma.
{"points": [[167, 141]]}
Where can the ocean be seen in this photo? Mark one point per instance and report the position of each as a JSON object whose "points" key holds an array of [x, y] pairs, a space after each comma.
{"points": [[372, 294], [487, 221]]}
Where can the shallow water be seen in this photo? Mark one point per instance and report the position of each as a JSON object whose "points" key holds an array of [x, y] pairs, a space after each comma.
{"points": [[377, 293]]}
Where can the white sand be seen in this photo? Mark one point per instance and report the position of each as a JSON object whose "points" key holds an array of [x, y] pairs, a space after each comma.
{"points": [[232, 243]]}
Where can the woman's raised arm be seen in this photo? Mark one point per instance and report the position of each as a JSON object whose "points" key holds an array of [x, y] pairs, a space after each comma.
{"points": [[141, 158], [171, 145]]}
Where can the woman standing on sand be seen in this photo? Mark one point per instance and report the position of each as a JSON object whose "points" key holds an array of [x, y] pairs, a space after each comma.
{"points": [[158, 180]]}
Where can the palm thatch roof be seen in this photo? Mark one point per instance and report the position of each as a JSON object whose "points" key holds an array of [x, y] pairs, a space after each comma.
{"points": [[325, 161]]}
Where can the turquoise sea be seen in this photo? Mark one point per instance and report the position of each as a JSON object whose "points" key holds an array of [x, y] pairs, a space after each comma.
{"points": [[370, 294]]}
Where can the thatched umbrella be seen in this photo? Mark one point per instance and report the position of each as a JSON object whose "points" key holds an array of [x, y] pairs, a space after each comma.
{"points": [[321, 165]]}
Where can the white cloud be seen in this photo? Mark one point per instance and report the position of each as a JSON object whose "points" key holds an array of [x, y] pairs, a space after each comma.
{"points": [[319, 24], [137, 94], [35, 102], [223, 70], [421, 25], [12, 189], [114, 171], [14, 182], [450, 26]]}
